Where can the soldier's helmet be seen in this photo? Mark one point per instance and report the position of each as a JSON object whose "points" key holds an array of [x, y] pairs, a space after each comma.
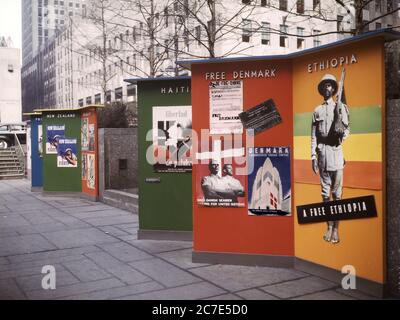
{"points": [[328, 78]]}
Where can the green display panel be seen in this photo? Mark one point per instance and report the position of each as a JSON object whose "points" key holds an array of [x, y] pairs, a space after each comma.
{"points": [[58, 174], [165, 197]]}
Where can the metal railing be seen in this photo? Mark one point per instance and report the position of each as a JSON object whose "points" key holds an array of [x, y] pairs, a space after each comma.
{"points": [[20, 154]]}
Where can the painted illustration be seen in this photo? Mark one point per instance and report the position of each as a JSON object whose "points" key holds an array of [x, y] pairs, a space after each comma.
{"points": [[330, 128], [172, 138], [91, 137], [54, 133], [67, 153], [85, 134], [269, 184], [40, 140], [91, 171]]}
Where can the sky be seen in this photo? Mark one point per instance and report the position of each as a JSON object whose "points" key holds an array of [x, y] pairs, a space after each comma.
{"points": [[10, 20]]}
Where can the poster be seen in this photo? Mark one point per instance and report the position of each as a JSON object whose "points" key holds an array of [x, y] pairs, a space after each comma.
{"points": [[40, 140], [269, 184], [262, 117], [91, 171], [220, 185], [226, 103], [85, 134], [91, 137], [67, 153], [339, 176], [84, 167], [53, 134], [172, 139]]}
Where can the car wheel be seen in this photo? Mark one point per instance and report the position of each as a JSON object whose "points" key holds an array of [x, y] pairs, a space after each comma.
{"points": [[4, 144]]}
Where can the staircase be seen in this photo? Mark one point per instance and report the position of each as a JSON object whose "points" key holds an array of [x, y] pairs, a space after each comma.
{"points": [[10, 165]]}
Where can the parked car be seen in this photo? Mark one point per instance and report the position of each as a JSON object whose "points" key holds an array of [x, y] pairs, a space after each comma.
{"points": [[8, 132]]}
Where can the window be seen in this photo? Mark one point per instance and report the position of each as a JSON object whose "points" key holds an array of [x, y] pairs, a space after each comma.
{"points": [[317, 41], [283, 38], [283, 5], [300, 39], [88, 100], [365, 25], [131, 90], [210, 25], [264, 3], [378, 5], [246, 1], [198, 34], [378, 25], [265, 33], [108, 96], [80, 102], [317, 5], [300, 6], [389, 5], [97, 98], [246, 30], [339, 23], [166, 16], [10, 68], [118, 94]]}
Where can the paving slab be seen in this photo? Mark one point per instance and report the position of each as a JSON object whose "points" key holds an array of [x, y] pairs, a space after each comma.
{"points": [[40, 263], [120, 270], [93, 207], [125, 252], [299, 287], [325, 295], [115, 293], [26, 271], [9, 290], [86, 270], [228, 296], [54, 254], [194, 291], [97, 214], [74, 289], [236, 278], [255, 294], [10, 221], [181, 258], [24, 244], [355, 294], [113, 231], [34, 282], [154, 246], [164, 272], [78, 238], [109, 221]]}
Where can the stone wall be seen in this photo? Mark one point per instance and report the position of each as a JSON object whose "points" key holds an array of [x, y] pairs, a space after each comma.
{"points": [[393, 195], [117, 146], [392, 64]]}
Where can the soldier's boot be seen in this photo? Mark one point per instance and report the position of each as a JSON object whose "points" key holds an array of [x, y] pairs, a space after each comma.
{"points": [[335, 234], [328, 233]]}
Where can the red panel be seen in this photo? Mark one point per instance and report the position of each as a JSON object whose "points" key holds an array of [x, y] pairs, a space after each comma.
{"points": [[91, 116], [232, 230]]}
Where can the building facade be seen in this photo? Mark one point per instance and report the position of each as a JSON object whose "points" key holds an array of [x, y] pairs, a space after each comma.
{"points": [[110, 41], [41, 21], [10, 89]]}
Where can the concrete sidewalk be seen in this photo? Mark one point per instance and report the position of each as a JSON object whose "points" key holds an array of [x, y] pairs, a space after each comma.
{"points": [[94, 250]]}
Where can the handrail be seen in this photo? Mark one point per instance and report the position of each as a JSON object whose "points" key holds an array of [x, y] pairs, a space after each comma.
{"points": [[21, 154]]}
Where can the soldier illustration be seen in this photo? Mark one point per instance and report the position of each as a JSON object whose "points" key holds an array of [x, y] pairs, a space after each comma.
{"points": [[330, 127]]}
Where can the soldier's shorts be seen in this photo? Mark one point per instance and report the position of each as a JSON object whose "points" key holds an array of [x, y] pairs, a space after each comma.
{"points": [[332, 181]]}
